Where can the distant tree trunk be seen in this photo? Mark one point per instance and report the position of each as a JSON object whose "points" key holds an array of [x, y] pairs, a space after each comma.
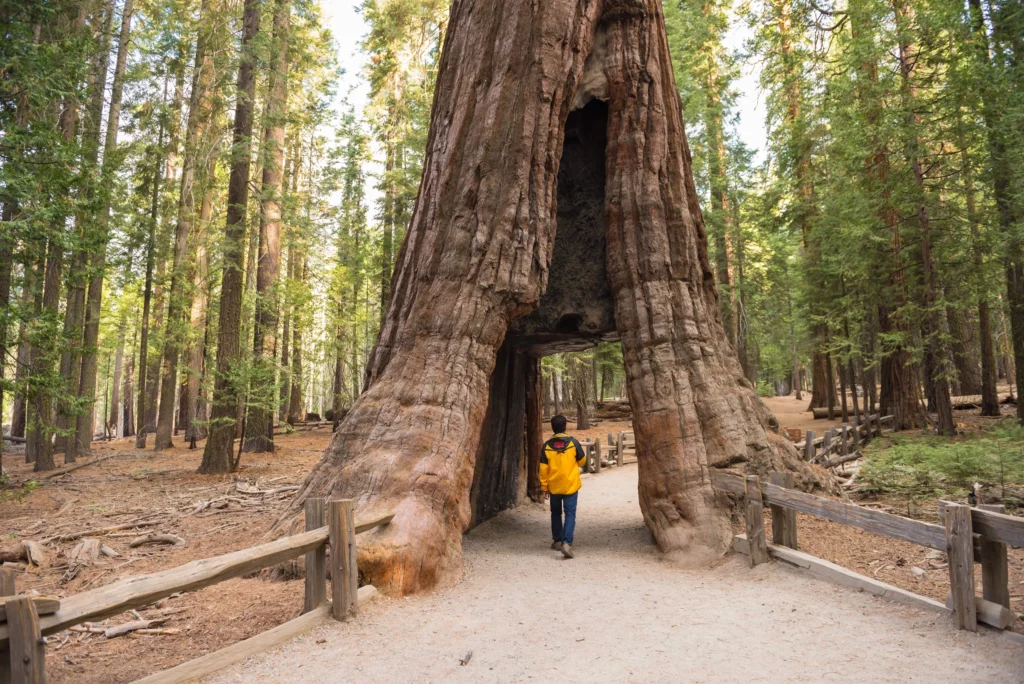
{"points": [[965, 351], [217, 455], [546, 382], [147, 301], [39, 440], [259, 426], [194, 411], [74, 313], [182, 266], [556, 385], [22, 370], [114, 415], [86, 419], [1005, 24], [935, 350], [409, 445], [296, 405], [797, 378], [581, 381]]}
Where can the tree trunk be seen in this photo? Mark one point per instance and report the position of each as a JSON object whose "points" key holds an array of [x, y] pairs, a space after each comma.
{"points": [[1002, 171], [259, 426], [147, 302], [182, 267], [535, 386], [217, 455], [39, 440], [296, 405], [935, 356], [85, 421], [965, 351], [581, 381], [476, 257]]}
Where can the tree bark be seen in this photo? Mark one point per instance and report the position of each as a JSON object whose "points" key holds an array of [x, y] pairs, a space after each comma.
{"points": [[217, 454], [476, 257]]}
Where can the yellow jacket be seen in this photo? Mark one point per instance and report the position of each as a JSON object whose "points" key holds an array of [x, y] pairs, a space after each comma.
{"points": [[560, 462]]}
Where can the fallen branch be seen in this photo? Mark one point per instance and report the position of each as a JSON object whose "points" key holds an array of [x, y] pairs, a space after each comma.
{"points": [[134, 625], [65, 471], [103, 530], [157, 539], [839, 460], [244, 487]]}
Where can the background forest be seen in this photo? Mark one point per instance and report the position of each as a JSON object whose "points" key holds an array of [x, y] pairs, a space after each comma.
{"points": [[198, 229]]}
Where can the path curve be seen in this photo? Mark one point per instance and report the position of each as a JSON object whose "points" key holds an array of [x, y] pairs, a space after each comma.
{"points": [[620, 612]]}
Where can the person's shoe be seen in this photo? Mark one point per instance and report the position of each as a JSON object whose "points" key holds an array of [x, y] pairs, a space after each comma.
{"points": [[556, 546], [567, 551]]}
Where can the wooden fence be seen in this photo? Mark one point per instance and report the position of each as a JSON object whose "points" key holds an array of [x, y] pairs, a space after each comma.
{"points": [[843, 441], [969, 535], [22, 649], [618, 449]]}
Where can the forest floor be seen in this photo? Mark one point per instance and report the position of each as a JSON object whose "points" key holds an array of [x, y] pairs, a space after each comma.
{"points": [[616, 554], [620, 611]]}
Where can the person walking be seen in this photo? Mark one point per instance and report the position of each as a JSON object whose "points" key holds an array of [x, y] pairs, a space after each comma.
{"points": [[560, 463]]}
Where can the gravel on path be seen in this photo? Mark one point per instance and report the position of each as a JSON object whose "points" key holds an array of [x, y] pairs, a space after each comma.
{"points": [[622, 612]]}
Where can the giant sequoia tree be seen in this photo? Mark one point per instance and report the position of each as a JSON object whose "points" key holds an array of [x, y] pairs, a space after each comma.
{"points": [[478, 255]]}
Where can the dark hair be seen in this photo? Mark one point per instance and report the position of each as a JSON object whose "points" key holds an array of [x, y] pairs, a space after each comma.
{"points": [[558, 423]]}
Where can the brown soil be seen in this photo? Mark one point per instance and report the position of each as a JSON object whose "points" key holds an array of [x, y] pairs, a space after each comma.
{"points": [[138, 484]]}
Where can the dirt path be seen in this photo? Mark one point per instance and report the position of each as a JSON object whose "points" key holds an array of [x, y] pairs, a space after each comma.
{"points": [[620, 612]]}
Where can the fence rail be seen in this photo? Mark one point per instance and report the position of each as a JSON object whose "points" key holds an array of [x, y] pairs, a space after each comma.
{"points": [[24, 629], [968, 535]]}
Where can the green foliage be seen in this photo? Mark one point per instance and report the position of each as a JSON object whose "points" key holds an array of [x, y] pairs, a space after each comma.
{"points": [[925, 466]]}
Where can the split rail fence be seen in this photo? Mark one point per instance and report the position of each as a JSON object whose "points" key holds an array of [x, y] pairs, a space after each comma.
{"points": [[843, 441], [620, 450], [328, 524], [968, 536]]}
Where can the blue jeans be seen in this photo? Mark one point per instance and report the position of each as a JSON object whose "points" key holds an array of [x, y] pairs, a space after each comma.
{"points": [[560, 532]]}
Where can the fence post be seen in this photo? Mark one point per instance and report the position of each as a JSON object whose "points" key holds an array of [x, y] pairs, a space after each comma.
{"points": [[7, 588], [809, 446], [344, 573], [620, 457], [597, 455], [995, 580], [842, 443], [783, 519], [960, 551], [26, 643], [316, 560], [826, 441], [755, 521]]}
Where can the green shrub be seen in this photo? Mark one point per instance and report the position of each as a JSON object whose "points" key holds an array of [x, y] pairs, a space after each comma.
{"points": [[920, 465]]}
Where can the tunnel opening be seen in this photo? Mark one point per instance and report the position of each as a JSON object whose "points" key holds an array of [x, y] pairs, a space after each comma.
{"points": [[575, 312]]}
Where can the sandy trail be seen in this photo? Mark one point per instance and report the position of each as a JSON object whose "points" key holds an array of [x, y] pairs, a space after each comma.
{"points": [[621, 612]]}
